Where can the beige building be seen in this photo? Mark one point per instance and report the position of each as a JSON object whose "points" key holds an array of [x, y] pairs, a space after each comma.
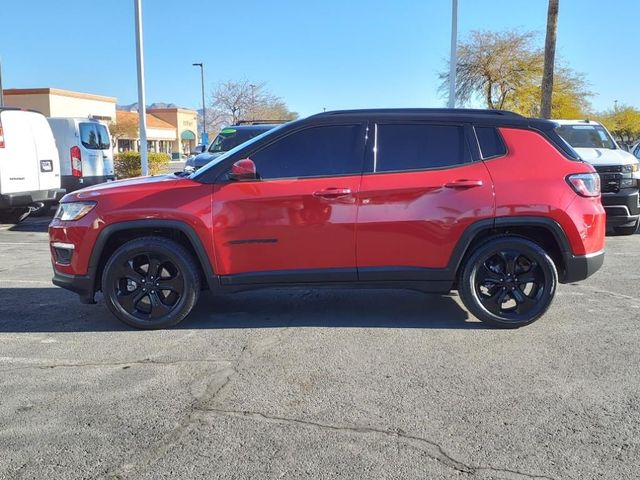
{"points": [[54, 102], [169, 130], [186, 125]]}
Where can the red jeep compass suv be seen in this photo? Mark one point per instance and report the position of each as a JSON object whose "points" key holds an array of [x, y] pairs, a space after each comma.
{"points": [[490, 203]]}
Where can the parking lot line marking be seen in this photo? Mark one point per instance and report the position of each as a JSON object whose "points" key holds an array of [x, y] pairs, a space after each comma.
{"points": [[21, 243], [30, 282]]}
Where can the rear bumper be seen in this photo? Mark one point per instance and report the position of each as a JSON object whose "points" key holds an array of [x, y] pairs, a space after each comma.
{"points": [[80, 284], [579, 267], [71, 184], [621, 207], [24, 199]]}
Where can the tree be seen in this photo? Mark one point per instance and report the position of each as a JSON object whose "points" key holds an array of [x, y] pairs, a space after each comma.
{"points": [[233, 101], [504, 70], [623, 121], [549, 59], [124, 129]]}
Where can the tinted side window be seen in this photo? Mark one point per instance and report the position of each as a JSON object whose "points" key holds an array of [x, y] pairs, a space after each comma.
{"points": [[313, 152], [490, 142], [419, 147]]}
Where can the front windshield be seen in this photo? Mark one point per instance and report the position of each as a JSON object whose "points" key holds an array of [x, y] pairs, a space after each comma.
{"points": [[229, 138], [586, 136], [234, 150]]}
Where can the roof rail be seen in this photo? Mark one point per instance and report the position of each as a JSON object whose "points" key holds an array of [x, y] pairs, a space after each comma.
{"points": [[449, 111], [259, 122]]}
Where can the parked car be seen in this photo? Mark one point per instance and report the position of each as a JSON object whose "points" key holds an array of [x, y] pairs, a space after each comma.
{"points": [[636, 150], [29, 165], [431, 200], [618, 170], [86, 157], [227, 139]]}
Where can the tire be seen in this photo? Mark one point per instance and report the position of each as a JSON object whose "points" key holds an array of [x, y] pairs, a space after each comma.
{"points": [[491, 282], [133, 292], [626, 230], [14, 215]]}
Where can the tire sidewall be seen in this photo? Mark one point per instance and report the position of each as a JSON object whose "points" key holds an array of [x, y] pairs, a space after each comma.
{"points": [[178, 255]]}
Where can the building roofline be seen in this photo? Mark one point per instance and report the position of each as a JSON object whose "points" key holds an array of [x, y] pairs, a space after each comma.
{"points": [[58, 91], [172, 109]]}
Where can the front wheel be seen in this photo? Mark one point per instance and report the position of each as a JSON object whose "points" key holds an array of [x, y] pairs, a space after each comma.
{"points": [[508, 282], [151, 283]]}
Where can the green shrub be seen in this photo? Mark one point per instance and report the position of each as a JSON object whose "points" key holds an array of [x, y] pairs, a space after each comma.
{"points": [[127, 164]]}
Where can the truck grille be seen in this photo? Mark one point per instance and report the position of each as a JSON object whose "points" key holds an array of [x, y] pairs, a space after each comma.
{"points": [[610, 177]]}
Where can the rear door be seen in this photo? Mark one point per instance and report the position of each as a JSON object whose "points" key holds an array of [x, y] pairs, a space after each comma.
{"points": [[48, 161], [95, 147], [18, 158], [419, 194]]}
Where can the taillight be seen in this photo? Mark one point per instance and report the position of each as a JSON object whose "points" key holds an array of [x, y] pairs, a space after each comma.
{"points": [[585, 184], [1, 137], [76, 162]]}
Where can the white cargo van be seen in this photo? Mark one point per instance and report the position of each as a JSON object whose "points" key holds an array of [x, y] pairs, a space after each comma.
{"points": [[84, 145], [29, 165]]}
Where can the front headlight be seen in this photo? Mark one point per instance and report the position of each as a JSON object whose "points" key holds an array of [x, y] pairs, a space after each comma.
{"points": [[630, 168], [69, 212]]}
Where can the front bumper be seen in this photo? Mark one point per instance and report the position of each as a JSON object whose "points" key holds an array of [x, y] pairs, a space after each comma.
{"points": [[80, 284], [621, 207], [579, 267]]}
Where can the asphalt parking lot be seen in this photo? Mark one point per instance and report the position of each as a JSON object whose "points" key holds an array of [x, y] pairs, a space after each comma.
{"points": [[317, 383]]}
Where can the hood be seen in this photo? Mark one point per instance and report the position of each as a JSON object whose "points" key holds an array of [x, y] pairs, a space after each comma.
{"points": [[202, 159], [109, 187], [606, 156]]}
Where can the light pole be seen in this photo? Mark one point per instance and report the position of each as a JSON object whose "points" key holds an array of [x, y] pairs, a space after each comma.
{"points": [[205, 137], [253, 101], [453, 62], [142, 106]]}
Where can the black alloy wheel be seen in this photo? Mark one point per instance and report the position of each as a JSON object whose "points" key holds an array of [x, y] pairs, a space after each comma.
{"points": [[151, 282], [508, 282]]}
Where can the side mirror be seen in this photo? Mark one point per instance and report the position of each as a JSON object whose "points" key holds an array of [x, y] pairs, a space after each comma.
{"points": [[243, 170], [199, 149], [624, 147]]}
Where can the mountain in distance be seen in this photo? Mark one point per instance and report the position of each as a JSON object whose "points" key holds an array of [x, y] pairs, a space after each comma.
{"points": [[133, 107]]}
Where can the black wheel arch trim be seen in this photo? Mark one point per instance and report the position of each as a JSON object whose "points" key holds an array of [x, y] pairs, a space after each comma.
{"points": [[109, 230]]}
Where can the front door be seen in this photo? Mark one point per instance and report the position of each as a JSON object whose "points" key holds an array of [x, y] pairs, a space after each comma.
{"points": [[419, 193], [297, 222]]}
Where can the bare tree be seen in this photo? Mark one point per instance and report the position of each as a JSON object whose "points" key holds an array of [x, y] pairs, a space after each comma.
{"points": [[549, 59], [233, 101]]}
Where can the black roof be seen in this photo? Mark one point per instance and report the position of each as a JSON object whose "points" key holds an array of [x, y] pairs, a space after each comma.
{"points": [[471, 115]]}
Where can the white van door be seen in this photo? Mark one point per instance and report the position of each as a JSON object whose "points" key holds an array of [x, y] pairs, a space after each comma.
{"points": [[18, 158], [46, 154], [95, 145]]}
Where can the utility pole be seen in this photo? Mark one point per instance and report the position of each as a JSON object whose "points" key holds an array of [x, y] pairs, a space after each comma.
{"points": [[453, 62], [142, 105], [205, 137], [253, 101], [549, 59]]}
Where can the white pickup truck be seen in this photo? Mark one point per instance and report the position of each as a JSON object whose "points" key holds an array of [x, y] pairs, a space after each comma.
{"points": [[29, 164], [619, 171]]}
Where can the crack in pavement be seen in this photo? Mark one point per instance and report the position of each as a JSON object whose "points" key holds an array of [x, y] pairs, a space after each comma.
{"points": [[221, 378], [146, 361], [433, 450]]}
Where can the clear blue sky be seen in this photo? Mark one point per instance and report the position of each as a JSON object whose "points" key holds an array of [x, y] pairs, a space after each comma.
{"points": [[314, 54]]}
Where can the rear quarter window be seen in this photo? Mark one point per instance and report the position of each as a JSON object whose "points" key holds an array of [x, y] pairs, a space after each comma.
{"points": [[490, 142]]}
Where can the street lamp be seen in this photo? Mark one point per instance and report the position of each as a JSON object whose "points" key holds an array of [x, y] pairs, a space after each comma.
{"points": [[204, 138], [142, 106]]}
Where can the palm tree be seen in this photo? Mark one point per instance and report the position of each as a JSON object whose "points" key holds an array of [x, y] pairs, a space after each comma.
{"points": [[549, 59]]}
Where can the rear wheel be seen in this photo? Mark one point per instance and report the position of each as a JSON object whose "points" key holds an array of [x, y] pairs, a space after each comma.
{"points": [[508, 282], [151, 282], [14, 215]]}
